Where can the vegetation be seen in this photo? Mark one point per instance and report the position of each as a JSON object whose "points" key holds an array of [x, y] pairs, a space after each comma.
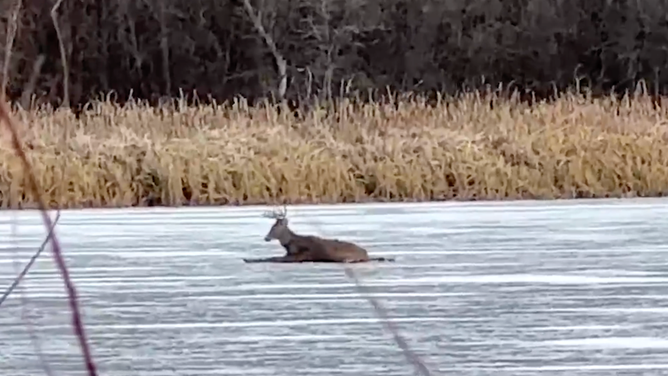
{"points": [[150, 49], [471, 147], [137, 147]]}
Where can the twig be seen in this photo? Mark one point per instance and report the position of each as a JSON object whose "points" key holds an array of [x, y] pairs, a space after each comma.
{"points": [[57, 255], [281, 64], [63, 54], [18, 279]]}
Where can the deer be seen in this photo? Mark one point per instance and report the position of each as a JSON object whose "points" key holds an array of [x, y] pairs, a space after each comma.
{"points": [[309, 248]]}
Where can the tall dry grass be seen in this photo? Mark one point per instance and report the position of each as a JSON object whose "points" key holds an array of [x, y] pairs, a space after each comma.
{"points": [[472, 147]]}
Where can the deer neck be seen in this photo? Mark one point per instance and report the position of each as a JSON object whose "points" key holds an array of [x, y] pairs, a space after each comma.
{"points": [[286, 237]]}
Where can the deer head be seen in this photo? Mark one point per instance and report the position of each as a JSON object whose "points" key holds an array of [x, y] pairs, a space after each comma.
{"points": [[280, 227]]}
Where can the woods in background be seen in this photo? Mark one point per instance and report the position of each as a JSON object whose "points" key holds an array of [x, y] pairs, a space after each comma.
{"points": [[223, 48]]}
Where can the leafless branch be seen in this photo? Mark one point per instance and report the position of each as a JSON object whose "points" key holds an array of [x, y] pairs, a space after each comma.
{"points": [[63, 55], [281, 64]]}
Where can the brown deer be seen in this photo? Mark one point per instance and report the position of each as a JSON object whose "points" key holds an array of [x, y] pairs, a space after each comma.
{"points": [[308, 248]]}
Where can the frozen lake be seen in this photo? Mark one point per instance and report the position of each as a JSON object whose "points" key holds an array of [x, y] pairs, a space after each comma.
{"points": [[525, 288]]}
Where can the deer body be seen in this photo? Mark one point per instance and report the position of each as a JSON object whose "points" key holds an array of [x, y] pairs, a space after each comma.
{"points": [[308, 248], [313, 248]]}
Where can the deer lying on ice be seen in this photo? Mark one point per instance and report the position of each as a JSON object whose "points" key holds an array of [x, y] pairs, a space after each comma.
{"points": [[300, 248]]}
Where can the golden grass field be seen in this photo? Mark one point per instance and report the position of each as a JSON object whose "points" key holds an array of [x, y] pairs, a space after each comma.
{"points": [[466, 148]]}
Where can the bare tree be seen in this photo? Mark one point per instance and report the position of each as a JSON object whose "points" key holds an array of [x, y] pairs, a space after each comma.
{"points": [[63, 54], [281, 63]]}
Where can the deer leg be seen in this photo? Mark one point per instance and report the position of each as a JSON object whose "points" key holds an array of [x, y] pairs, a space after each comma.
{"points": [[286, 258], [352, 261], [387, 259], [303, 256]]}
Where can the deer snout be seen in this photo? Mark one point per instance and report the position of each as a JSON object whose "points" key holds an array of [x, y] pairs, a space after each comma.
{"points": [[267, 238]]}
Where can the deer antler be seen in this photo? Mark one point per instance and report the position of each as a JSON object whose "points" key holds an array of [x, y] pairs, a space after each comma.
{"points": [[277, 214]]}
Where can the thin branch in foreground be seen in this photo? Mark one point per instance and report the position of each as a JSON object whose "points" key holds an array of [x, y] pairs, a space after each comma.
{"points": [[18, 279], [33, 186], [411, 356], [381, 312], [34, 338]]}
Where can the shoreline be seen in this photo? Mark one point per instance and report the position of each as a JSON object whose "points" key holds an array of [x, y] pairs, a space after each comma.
{"points": [[603, 201]]}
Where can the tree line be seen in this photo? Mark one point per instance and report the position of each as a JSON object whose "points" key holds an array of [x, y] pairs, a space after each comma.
{"points": [[71, 51]]}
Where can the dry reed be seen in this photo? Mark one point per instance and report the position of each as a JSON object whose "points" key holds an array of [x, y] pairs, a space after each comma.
{"points": [[472, 147]]}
